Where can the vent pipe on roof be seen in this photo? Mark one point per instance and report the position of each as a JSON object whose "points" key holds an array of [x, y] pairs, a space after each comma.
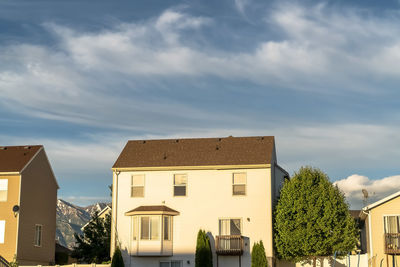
{"points": [[3, 148]]}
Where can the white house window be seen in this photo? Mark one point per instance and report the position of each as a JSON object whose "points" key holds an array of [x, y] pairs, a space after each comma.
{"points": [[392, 224], [230, 227], [171, 264], [38, 235], [3, 190], [180, 183], [137, 186], [239, 184], [167, 227], [150, 228], [2, 231]]}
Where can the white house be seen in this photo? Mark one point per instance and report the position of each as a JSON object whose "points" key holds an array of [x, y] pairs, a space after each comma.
{"points": [[165, 191]]}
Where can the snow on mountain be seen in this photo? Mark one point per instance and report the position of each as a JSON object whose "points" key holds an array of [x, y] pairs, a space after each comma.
{"points": [[70, 219]]}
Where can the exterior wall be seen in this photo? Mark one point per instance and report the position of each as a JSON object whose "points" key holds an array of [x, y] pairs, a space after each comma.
{"points": [[38, 206], [8, 249], [209, 198], [376, 214]]}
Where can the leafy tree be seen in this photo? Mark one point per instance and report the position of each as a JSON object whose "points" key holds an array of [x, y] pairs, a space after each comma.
{"points": [[94, 245], [203, 257], [258, 257], [312, 218], [117, 260]]}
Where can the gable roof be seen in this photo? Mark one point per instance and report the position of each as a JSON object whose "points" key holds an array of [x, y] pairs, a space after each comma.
{"points": [[197, 152], [15, 158], [157, 209], [382, 201]]}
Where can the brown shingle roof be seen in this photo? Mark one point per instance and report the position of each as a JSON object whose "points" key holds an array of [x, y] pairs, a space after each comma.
{"points": [[196, 152], [161, 209], [14, 158]]}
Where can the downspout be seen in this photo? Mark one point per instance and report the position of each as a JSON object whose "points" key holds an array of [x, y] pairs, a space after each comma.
{"points": [[369, 232], [115, 209]]}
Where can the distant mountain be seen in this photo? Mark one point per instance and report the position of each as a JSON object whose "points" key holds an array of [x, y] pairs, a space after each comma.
{"points": [[70, 219]]}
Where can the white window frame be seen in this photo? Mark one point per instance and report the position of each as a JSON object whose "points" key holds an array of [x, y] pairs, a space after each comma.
{"points": [[231, 218], [390, 215], [186, 185], [132, 186], [2, 231], [172, 261], [4, 187], [169, 227], [150, 228], [37, 242], [233, 184]]}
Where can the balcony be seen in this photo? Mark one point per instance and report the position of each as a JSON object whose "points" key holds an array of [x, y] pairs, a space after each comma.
{"points": [[229, 245], [392, 243]]}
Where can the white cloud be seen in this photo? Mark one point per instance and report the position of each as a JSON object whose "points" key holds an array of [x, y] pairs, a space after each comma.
{"points": [[377, 189]]}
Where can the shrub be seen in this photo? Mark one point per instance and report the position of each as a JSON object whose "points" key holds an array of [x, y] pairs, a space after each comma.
{"points": [[117, 260], [258, 257], [203, 256]]}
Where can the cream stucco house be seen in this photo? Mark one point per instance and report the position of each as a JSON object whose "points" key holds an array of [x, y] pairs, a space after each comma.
{"points": [[382, 230], [28, 197], [165, 191]]}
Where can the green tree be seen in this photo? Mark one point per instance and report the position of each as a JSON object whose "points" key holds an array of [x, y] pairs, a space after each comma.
{"points": [[117, 260], [203, 257], [94, 245], [312, 218], [258, 257]]}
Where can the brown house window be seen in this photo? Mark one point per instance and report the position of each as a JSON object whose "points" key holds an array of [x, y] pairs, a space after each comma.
{"points": [[137, 186], [239, 184], [3, 190], [38, 235]]}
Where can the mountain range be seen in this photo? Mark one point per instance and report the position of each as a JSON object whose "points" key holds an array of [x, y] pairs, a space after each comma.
{"points": [[70, 219]]}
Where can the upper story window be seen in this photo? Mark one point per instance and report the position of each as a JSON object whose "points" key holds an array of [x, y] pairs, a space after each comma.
{"points": [[137, 185], [3, 189], [239, 184], [392, 224], [180, 184], [2, 231], [150, 228], [230, 227], [38, 235]]}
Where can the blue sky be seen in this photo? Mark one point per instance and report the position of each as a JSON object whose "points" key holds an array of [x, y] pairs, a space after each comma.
{"points": [[83, 77]]}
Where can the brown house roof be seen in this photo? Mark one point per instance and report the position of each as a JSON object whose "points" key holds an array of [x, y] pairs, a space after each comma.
{"points": [[14, 158], [152, 210], [197, 152]]}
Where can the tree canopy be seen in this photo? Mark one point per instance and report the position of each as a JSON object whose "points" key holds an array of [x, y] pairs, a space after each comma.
{"points": [[258, 257], [312, 218], [203, 257], [94, 245]]}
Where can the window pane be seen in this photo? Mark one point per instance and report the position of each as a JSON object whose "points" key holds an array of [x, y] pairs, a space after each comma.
{"points": [[180, 179], [239, 189], [224, 227], [155, 228], [235, 227], [167, 220], [164, 264], [239, 178], [176, 263], [392, 225], [138, 180], [3, 189], [145, 229], [38, 235], [137, 191], [2, 231], [179, 190], [134, 227]]}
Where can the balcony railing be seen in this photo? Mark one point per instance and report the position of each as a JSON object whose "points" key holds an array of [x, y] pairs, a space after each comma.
{"points": [[3, 262], [229, 245], [392, 243]]}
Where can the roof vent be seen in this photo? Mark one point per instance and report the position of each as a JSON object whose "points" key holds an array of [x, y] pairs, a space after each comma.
{"points": [[217, 148], [219, 139], [144, 142], [177, 140], [27, 147], [3, 148], [165, 156], [262, 138]]}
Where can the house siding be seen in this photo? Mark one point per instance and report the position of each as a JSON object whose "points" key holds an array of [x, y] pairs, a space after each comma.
{"points": [[8, 249], [209, 198]]}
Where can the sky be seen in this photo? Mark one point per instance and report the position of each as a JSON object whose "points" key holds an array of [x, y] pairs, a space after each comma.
{"points": [[82, 77]]}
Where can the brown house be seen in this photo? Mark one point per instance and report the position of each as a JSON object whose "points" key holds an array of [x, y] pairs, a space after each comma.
{"points": [[28, 198]]}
